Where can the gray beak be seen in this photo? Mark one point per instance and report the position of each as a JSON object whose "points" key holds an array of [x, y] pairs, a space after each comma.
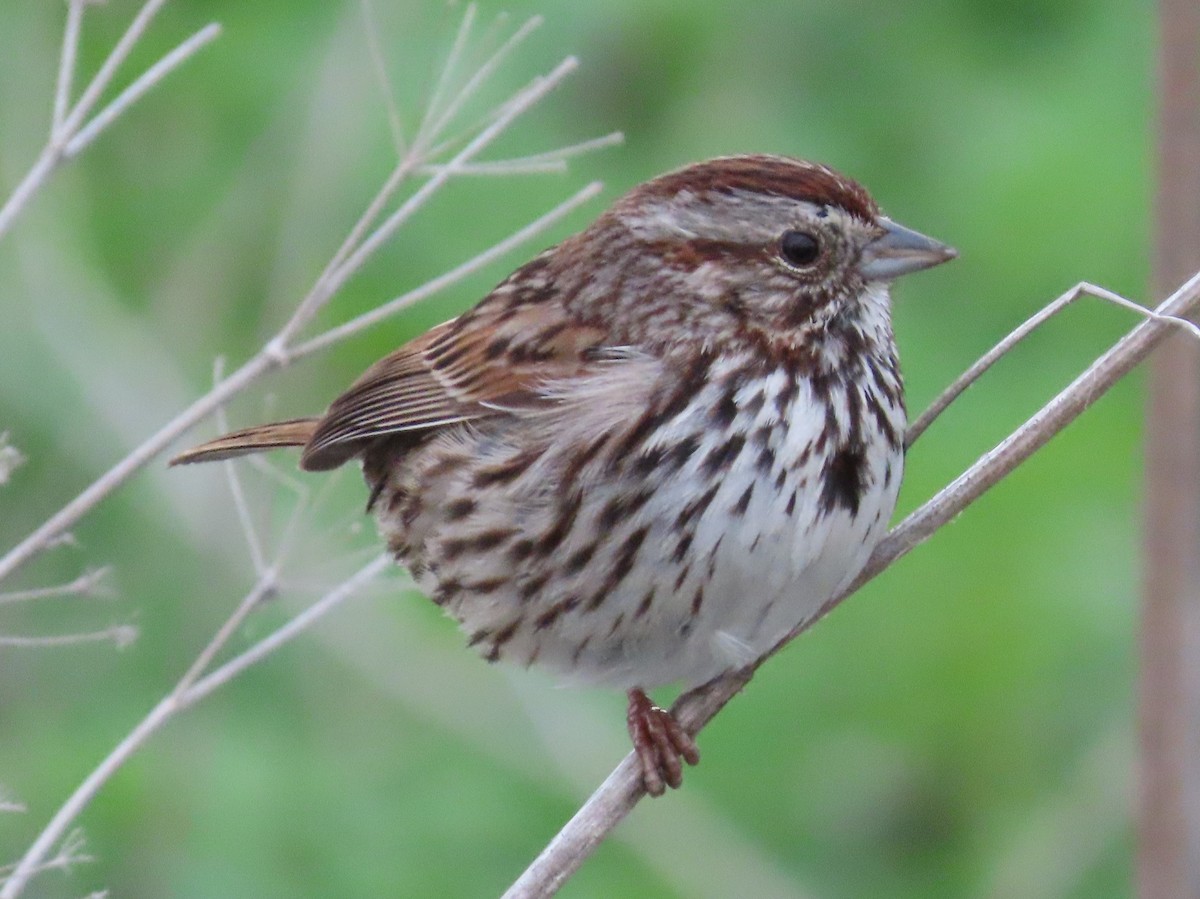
{"points": [[900, 250]]}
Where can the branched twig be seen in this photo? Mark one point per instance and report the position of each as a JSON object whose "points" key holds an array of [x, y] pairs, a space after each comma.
{"points": [[70, 853], [192, 687], [359, 245], [992, 356], [622, 790], [90, 583], [71, 131]]}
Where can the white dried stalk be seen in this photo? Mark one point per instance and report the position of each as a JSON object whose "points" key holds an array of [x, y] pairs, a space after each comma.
{"points": [[71, 131], [89, 584], [360, 244], [201, 678], [195, 685]]}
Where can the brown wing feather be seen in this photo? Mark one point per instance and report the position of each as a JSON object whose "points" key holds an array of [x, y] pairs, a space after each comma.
{"points": [[251, 440], [489, 361]]}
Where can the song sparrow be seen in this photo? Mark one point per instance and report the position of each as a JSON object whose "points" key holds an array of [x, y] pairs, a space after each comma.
{"points": [[655, 448]]}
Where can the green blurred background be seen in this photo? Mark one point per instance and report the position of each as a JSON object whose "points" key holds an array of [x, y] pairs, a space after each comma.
{"points": [[960, 728]]}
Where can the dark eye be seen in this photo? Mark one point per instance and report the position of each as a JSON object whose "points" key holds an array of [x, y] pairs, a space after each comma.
{"points": [[799, 248]]}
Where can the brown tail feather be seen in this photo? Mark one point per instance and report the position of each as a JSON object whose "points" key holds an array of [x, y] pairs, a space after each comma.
{"points": [[251, 440]]}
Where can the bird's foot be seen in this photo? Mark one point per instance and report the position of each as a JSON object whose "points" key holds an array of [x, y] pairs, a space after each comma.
{"points": [[660, 744]]}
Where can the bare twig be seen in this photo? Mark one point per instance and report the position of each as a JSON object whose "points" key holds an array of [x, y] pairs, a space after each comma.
{"points": [[379, 64], [120, 635], [429, 288], [90, 583], [66, 64], [355, 250], [69, 134], [622, 790], [328, 285], [70, 853], [140, 87], [1031, 324], [192, 687]]}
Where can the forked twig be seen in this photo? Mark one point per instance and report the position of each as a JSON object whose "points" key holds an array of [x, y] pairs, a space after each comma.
{"points": [[70, 130], [191, 688], [73, 133], [622, 789], [1031, 324], [359, 245]]}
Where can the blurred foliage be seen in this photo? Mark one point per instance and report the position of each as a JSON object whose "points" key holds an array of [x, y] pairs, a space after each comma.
{"points": [[961, 728]]}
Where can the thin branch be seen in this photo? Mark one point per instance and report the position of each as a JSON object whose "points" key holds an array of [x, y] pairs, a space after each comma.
{"points": [[425, 129], [254, 545], [379, 65], [287, 632], [66, 64], [622, 790], [44, 535], [190, 690], [441, 282], [1031, 324], [101, 80], [522, 102], [120, 635], [69, 854], [331, 282], [476, 81], [538, 163], [149, 79], [90, 583], [63, 142]]}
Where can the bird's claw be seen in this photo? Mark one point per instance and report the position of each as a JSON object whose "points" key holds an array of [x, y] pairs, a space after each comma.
{"points": [[660, 742]]}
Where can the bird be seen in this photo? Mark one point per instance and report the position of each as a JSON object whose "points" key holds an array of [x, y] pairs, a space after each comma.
{"points": [[655, 448]]}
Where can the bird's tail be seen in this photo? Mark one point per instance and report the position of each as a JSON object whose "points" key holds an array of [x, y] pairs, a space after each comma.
{"points": [[296, 432]]}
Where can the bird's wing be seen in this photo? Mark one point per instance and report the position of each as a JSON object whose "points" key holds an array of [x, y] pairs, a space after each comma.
{"points": [[489, 361]]}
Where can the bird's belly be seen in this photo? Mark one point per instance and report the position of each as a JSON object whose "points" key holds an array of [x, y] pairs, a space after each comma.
{"points": [[747, 578], [685, 556]]}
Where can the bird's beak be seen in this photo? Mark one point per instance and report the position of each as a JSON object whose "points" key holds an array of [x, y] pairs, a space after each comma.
{"points": [[900, 250]]}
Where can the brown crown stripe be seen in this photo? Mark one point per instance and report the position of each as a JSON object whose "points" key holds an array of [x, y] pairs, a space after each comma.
{"points": [[774, 175]]}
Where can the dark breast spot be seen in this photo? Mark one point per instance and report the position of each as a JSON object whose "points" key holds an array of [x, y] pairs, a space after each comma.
{"points": [[743, 503], [844, 480]]}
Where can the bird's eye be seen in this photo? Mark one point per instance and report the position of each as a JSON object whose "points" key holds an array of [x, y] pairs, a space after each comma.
{"points": [[799, 248]]}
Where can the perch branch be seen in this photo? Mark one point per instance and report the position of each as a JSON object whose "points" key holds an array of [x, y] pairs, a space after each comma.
{"points": [[622, 789]]}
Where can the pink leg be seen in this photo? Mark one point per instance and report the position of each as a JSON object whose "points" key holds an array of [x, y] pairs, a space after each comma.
{"points": [[659, 742]]}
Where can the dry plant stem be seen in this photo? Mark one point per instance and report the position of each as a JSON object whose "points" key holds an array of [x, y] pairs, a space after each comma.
{"points": [[251, 371], [337, 273], [350, 257], [622, 790], [192, 687], [122, 635], [371, 33], [69, 133], [69, 854], [66, 64], [990, 358], [390, 308], [87, 584], [147, 80]]}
